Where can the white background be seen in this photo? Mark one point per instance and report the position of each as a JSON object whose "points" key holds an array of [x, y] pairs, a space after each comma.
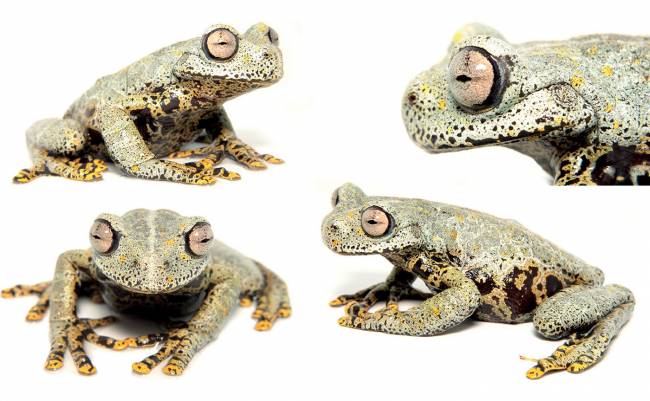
{"points": [[335, 117]]}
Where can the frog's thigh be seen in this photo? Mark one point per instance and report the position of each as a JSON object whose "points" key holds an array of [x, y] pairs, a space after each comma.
{"points": [[578, 307], [52, 144], [59, 137]]}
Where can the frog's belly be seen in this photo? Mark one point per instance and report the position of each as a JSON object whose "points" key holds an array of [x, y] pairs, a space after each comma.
{"points": [[173, 306], [511, 297]]}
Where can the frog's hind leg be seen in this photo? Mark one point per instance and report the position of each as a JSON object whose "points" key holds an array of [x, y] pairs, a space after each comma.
{"points": [[591, 316], [272, 302], [55, 146], [36, 312]]}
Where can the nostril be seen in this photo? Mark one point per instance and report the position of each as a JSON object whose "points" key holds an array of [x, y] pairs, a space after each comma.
{"points": [[412, 98], [334, 227]]}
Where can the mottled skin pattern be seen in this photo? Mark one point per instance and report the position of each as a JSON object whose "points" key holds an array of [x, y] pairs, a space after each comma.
{"points": [[150, 270], [479, 266], [150, 109], [579, 107]]}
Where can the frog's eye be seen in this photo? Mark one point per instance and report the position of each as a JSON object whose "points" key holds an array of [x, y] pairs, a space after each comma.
{"points": [[335, 198], [220, 44], [476, 79], [199, 239], [375, 221], [102, 236], [273, 36]]}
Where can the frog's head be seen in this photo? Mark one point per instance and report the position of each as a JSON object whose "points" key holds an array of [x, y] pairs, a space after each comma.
{"points": [[150, 252], [361, 224], [485, 92], [236, 63]]}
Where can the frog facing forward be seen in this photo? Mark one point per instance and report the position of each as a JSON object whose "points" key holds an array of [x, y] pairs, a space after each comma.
{"points": [[578, 107], [157, 264], [478, 266], [150, 109]]}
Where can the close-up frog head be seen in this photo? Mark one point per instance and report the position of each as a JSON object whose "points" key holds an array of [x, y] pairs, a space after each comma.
{"points": [[223, 54], [487, 92], [360, 224], [150, 251]]}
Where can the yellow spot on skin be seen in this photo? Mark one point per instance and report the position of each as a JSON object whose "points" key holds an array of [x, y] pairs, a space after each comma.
{"points": [[360, 232], [460, 218], [425, 87], [170, 242], [592, 51], [169, 279], [135, 168], [557, 120], [122, 258], [609, 107], [442, 104], [577, 80], [607, 71], [616, 124], [458, 36], [335, 243], [453, 234], [436, 311], [351, 214], [184, 256]]}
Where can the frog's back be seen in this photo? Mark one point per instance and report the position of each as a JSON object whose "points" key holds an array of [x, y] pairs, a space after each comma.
{"points": [[149, 74], [497, 247], [612, 72]]}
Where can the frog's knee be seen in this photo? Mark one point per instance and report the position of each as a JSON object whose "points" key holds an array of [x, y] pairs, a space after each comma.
{"points": [[59, 136]]}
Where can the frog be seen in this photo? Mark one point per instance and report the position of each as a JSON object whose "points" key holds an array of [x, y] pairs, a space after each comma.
{"points": [[578, 107], [475, 266], [150, 111], [159, 265]]}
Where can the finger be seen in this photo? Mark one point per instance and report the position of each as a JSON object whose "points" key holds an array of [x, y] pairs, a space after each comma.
{"points": [[101, 322], [37, 312], [347, 298], [57, 351], [225, 174], [147, 364], [79, 356], [22, 290], [148, 340], [543, 367], [271, 159], [103, 341], [182, 356]]}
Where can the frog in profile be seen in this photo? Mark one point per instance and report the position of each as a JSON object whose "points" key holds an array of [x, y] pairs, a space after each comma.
{"points": [[148, 111], [476, 266]]}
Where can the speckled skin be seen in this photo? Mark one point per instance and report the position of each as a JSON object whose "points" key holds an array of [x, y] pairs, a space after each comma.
{"points": [[151, 271], [150, 109], [477, 266], [578, 107]]}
